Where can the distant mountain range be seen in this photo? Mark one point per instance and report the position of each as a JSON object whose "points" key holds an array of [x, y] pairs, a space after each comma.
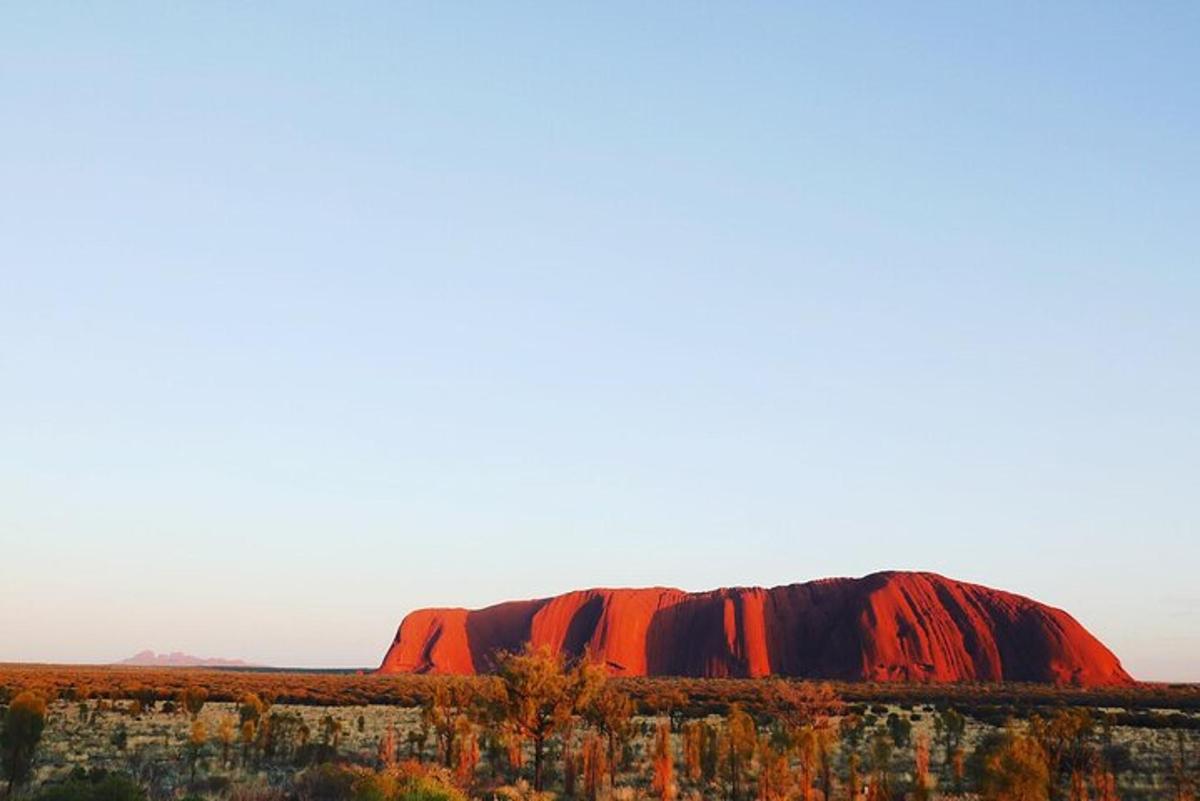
{"points": [[178, 659]]}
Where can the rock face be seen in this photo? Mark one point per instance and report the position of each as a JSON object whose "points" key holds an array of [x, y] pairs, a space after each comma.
{"points": [[891, 626]]}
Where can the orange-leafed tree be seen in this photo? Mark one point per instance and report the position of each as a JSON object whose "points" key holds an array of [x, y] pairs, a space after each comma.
{"points": [[466, 751], [693, 745], [741, 741], [664, 762], [921, 768], [447, 703], [195, 745], [595, 765], [774, 772], [192, 700], [611, 713], [1017, 770], [538, 692], [807, 711]]}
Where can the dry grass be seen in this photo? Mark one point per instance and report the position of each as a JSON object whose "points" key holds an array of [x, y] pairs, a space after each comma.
{"points": [[95, 722]]}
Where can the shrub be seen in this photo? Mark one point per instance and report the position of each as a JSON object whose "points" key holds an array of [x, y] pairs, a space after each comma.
{"points": [[192, 699], [98, 786], [408, 781], [1015, 769], [255, 792], [22, 729], [326, 782], [426, 788]]}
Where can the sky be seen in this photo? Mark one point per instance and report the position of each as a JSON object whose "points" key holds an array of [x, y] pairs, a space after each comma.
{"points": [[314, 314]]}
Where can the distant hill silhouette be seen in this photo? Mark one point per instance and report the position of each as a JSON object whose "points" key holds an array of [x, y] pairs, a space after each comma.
{"points": [[893, 626], [177, 659]]}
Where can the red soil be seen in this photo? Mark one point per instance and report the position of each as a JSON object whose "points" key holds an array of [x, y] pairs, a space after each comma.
{"points": [[883, 627]]}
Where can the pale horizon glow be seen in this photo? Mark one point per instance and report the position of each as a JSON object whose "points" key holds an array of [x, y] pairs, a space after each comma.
{"points": [[312, 315]]}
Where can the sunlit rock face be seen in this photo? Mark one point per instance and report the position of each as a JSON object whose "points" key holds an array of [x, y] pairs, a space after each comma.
{"points": [[894, 626]]}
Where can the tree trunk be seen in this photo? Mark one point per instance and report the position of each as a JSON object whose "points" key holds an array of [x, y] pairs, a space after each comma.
{"points": [[733, 772], [538, 744], [612, 760]]}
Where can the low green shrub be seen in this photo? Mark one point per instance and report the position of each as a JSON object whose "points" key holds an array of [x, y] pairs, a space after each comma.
{"points": [[96, 786]]}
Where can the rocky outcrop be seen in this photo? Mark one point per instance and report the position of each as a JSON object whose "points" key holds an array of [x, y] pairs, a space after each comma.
{"points": [[892, 626], [178, 659]]}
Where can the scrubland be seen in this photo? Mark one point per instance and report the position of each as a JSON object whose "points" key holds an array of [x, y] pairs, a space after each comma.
{"points": [[549, 730]]}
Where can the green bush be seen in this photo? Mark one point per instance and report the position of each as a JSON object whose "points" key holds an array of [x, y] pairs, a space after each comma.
{"points": [[406, 782], [424, 788], [95, 787], [326, 782]]}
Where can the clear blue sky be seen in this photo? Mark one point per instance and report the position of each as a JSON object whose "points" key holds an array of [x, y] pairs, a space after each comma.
{"points": [[314, 314]]}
